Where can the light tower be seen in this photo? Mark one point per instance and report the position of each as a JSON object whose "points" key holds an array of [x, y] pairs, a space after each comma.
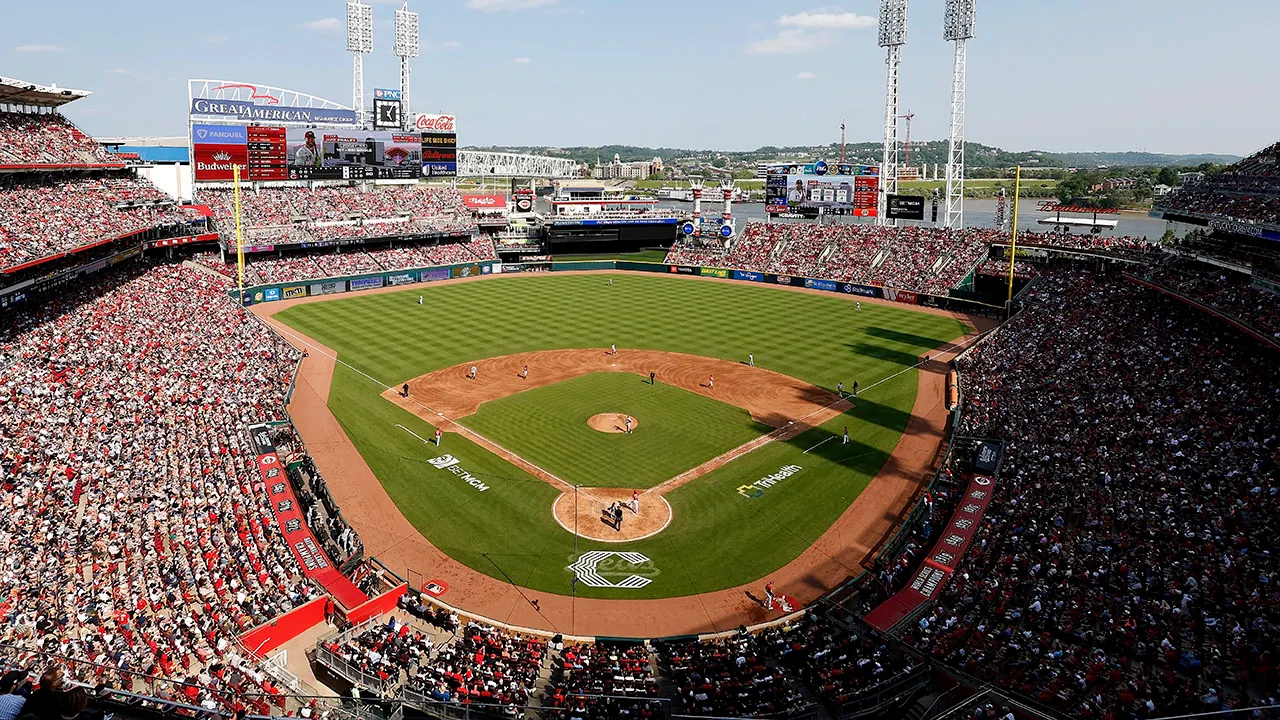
{"points": [[893, 35], [406, 49], [359, 42], [957, 27], [726, 188]]}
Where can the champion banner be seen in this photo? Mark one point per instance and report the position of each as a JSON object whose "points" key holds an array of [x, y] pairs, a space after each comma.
{"points": [[311, 557], [941, 561]]}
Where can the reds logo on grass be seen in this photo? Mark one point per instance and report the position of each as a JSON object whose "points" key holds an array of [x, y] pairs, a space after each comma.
{"points": [[594, 568]]}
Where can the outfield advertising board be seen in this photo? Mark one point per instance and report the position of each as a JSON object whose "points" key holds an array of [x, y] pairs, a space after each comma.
{"points": [[748, 275], [685, 270], [714, 272], [439, 274], [366, 283], [295, 291], [328, 288], [271, 294], [465, 271], [403, 278], [902, 296], [828, 285], [863, 290]]}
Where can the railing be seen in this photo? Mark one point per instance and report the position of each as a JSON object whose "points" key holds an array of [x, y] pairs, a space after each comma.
{"points": [[348, 671]]}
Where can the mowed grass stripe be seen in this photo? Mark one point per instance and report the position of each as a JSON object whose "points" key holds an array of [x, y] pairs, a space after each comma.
{"points": [[718, 538]]}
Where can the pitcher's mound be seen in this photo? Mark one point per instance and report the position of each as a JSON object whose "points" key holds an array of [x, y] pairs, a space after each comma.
{"points": [[611, 422]]}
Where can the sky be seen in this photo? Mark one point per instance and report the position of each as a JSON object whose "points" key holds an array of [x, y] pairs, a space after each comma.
{"points": [[1174, 76]]}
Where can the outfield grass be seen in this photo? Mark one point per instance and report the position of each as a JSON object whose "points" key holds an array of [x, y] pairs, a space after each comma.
{"points": [[718, 537], [677, 429]]}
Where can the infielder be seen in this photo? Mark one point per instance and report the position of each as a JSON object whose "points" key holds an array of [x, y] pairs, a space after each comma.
{"points": [[405, 391], [627, 424], [846, 435], [635, 502], [524, 374], [613, 349], [751, 359], [472, 374], [711, 382], [840, 388]]}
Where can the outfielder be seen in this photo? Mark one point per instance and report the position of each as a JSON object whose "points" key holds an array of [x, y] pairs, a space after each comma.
{"points": [[859, 306], [419, 299]]}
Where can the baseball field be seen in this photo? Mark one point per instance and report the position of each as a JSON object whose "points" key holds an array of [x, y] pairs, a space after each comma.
{"points": [[739, 468]]}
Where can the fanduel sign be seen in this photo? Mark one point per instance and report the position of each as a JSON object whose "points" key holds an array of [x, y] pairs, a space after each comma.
{"points": [[249, 112]]}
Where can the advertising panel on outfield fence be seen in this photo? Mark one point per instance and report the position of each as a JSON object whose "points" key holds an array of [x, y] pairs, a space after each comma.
{"points": [[748, 275], [438, 274], [714, 272], [902, 296], [465, 271], [403, 278], [295, 291], [828, 285], [685, 270], [366, 283], [863, 290], [328, 288], [271, 294]]}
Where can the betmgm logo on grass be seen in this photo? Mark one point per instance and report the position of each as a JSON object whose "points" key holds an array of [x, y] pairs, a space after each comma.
{"points": [[450, 463], [757, 488], [599, 569]]}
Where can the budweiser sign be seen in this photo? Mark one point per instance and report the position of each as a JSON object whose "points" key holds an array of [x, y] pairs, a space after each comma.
{"points": [[435, 123]]}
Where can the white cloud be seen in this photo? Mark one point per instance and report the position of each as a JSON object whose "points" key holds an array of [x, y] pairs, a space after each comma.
{"points": [[329, 24], [521, 60], [500, 5], [790, 42], [827, 21], [452, 45], [38, 48], [806, 75]]}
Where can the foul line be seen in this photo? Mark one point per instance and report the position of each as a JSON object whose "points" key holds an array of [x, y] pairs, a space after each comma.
{"points": [[833, 437]]}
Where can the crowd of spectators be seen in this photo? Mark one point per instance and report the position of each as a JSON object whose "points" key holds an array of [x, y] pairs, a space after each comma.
{"points": [[280, 215], [482, 665], [731, 678], [1228, 292], [1127, 565], [47, 139], [1247, 191], [622, 672], [47, 214], [350, 260], [135, 529], [922, 259]]}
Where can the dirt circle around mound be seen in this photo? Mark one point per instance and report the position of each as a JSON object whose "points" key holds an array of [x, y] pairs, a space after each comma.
{"points": [[611, 422], [590, 521]]}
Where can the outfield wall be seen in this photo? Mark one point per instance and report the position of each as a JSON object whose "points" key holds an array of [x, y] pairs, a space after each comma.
{"points": [[364, 281]]}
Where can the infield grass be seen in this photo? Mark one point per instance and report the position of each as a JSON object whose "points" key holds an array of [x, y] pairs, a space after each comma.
{"points": [[719, 537], [677, 429]]}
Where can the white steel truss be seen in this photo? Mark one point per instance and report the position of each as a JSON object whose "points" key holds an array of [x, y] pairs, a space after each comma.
{"points": [[359, 42], [955, 143], [889, 154], [893, 35], [482, 163], [406, 48], [957, 27]]}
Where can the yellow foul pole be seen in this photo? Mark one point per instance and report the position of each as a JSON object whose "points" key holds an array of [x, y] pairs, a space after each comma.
{"points": [[235, 179], [1013, 242]]}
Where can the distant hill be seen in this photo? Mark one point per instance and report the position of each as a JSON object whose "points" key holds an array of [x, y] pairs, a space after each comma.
{"points": [[977, 155]]}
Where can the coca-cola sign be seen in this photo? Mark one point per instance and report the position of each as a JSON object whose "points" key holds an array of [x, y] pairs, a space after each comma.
{"points": [[435, 123]]}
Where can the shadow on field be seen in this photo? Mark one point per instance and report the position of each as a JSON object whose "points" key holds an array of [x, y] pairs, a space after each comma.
{"points": [[919, 341], [880, 352]]}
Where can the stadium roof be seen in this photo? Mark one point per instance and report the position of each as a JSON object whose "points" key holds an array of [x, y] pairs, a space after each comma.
{"points": [[20, 92]]}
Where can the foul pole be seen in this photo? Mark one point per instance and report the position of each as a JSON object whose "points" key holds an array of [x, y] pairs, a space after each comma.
{"points": [[235, 182], [1013, 240]]}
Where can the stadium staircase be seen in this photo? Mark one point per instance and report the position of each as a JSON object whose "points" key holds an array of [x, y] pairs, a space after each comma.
{"points": [[881, 255]]}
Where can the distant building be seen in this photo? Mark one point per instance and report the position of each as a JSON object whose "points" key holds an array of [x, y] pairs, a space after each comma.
{"points": [[618, 170]]}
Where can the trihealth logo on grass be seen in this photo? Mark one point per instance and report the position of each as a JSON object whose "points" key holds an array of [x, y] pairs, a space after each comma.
{"points": [[757, 488], [450, 463]]}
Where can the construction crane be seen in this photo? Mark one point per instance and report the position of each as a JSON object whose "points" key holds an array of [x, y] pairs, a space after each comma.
{"points": [[842, 142], [906, 161]]}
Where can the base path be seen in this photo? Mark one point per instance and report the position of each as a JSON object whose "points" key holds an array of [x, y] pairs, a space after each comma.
{"points": [[388, 535]]}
